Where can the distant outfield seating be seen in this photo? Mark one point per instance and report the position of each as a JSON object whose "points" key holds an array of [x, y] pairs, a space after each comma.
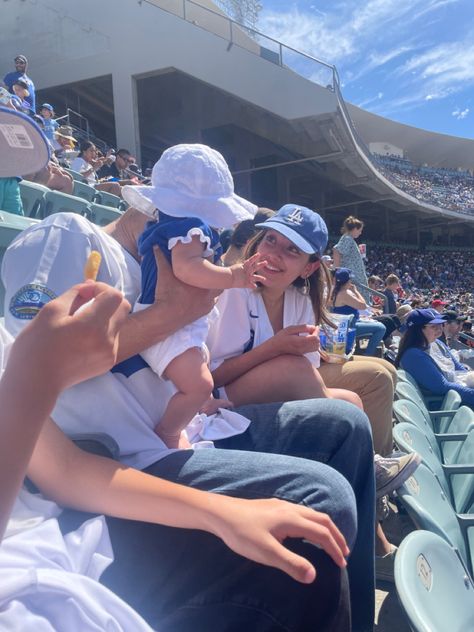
{"points": [[446, 188]]}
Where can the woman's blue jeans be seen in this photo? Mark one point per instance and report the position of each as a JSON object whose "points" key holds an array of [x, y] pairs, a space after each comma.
{"points": [[372, 329], [261, 463]]}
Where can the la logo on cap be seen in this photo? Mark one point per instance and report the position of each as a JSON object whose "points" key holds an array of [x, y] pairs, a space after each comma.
{"points": [[296, 216]]}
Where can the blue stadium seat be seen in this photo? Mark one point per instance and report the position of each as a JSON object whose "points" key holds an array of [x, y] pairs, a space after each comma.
{"points": [[103, 215], [433, 585], [439, 419], [56, 202], [108, 199], [32, 197], [84, 191]]}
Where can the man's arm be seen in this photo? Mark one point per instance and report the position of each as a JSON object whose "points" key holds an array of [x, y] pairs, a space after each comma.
{"points": [[58, 349], [87, 482]]}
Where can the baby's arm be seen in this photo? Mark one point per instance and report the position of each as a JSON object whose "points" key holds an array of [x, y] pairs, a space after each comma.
{"points": [[190, 267]]}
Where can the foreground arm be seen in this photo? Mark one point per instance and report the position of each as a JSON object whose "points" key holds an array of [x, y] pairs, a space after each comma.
{"points": [[87, 482], [58, 349]]}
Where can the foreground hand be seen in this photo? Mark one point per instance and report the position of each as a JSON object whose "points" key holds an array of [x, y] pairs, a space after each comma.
{"points": [[297, 339], [245, 274], [63, 347], [257, 529]]}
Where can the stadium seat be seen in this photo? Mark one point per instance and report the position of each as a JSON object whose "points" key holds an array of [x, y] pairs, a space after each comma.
{"points": [[56, 202], [10, 226], [32, 197], [103, 215], [84, 191], [76, 175], [440, 419], [457, 479], [445, 445], [404, 376], [430, 509], [433, 585], [108, 199]]}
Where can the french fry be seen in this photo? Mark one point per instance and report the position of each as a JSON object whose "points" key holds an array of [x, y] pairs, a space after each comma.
{"points": [[91, 269]]}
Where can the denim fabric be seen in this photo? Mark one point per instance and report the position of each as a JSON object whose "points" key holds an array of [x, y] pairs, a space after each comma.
{"points": [[371, 328], [193, 578]]}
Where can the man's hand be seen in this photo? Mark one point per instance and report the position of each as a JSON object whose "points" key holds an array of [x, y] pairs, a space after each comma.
{"points": [[189, 302], [65, 345], [257, 529], [296, 340], [245, 274]]}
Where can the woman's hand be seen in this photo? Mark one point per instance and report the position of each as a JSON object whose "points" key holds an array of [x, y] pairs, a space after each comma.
{"points": [[245, 274], [296, 340], [64, 345], [257, 529]]}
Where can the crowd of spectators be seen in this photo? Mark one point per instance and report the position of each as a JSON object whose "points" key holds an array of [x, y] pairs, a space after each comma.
{"points": [[446, 188], [450, 271]]}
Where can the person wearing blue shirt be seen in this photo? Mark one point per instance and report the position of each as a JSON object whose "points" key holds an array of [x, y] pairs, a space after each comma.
{"points": [[50, 124], [428, 359], [21, 64]]}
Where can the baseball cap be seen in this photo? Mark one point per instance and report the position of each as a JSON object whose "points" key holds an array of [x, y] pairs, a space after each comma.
{"points": [[343, 275], [438, 303], [21, 58], [25, 149], [451, 316], [302, 226], [47, 106], [422, 317]]}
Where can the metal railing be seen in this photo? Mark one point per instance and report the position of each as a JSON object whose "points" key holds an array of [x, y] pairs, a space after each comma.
{"points": [[81, 128]]}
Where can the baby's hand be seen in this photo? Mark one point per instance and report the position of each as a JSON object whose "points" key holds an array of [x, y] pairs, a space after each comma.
{"points": [[245, 274]]}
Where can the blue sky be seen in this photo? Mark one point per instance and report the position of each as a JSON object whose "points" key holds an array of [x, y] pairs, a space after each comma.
{"points": [[409, 60]]}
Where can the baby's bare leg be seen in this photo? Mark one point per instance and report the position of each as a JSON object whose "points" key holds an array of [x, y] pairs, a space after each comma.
{"points": [[191, 376]]}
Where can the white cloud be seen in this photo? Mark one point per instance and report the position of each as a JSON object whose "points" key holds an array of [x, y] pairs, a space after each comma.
{"points": [[460, 114]]}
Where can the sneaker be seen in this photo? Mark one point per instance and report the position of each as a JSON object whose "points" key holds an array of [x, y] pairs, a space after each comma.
{"points": [[392, 471], [384, 566]]}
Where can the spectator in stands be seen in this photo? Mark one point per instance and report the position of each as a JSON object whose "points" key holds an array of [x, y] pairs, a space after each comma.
{"points": [[21, 65], [241, 235], [452, 327], [20, 90], [392, 284], [67, 143], [116, 168], [438, 305], [346, 253], [88, 164], [54, 177], [346, 299], [50, 124], [429, 360], [10, 198]]}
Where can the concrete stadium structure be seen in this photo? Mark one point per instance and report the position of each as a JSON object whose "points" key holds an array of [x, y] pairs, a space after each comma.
{"points": [[147, 74]]}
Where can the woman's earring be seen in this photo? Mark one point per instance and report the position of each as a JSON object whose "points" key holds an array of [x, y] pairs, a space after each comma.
{"points": [[306, 286]]}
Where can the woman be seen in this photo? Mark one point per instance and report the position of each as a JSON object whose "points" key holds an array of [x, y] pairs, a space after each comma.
{"points": [[346, 252], [428, 359], [347, 300], [87, 163]]}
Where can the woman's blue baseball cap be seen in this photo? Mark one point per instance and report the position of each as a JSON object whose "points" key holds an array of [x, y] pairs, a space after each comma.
{"points": [[422, 317], [343, 275], [302, 226]]}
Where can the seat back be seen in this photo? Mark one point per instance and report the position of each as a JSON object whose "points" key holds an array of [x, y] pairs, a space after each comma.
{"points": [[108, 199], [75, 174], [433, 586], [451, 401], [406, 390], [410, 438], [32, 198], [84, 191], [56, 202], [103, 215], [461, 422], [429, 508], [409, 411], [404, 376]]}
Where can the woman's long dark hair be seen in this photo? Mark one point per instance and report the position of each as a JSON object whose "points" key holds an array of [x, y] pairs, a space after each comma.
{"points": [[336, 288], [413, 337], [85, 145], [320, 282]]}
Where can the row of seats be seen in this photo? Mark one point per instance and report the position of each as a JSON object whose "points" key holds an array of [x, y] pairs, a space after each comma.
{"points": [[434, 565], [40, 201]]}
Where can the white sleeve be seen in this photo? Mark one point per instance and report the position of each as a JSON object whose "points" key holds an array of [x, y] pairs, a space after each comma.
{"points": [[305, 316], [230, 333], [41, 263]]}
